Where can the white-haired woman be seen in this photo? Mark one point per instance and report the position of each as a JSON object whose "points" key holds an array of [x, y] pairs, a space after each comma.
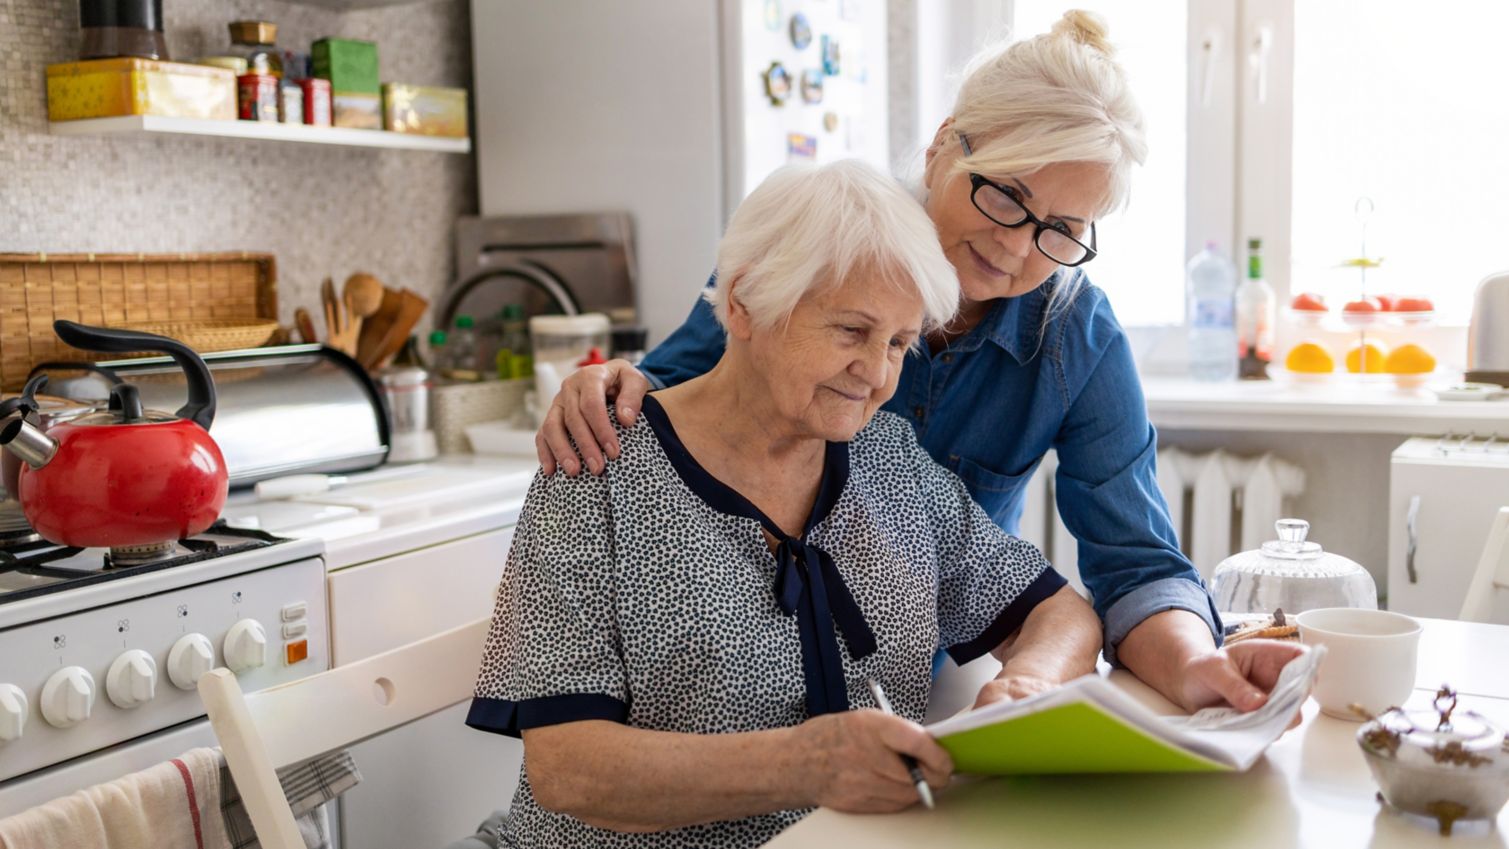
{"points": [[1041, 143], [684, 642]]}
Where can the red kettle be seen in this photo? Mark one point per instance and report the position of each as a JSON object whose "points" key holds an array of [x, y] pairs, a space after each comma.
{"points": [[129, 479]]}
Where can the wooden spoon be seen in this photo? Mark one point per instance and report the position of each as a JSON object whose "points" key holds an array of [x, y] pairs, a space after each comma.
{"points": [[362, 295]]}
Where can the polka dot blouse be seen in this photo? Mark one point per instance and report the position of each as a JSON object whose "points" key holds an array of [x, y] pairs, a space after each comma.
{"points": [[649, 596]]}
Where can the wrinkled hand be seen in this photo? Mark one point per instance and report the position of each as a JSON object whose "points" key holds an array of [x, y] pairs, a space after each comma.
{"points": [[580, 412], [855, 762], [1241, 675], [1009, 688]]}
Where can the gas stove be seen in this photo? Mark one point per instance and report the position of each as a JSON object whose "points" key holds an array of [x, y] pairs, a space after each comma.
{"points": [[101, 651], [31, 566]]}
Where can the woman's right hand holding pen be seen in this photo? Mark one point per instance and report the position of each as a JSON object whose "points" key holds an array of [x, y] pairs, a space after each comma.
{"points": [[852, 761]]}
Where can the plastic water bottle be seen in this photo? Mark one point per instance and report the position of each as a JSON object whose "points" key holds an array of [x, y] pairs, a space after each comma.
{"points": [[1210, 303]]}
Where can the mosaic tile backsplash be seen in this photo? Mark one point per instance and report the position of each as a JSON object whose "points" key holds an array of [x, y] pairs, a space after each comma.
{"points": [[322, 210]]}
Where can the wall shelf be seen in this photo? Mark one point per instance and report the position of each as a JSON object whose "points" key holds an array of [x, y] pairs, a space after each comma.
{"points": [[139, 125]]}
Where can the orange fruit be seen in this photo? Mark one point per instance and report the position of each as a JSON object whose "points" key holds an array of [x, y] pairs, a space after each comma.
{"points": [[1409, 359], [1370, 354], [1309, 358]]}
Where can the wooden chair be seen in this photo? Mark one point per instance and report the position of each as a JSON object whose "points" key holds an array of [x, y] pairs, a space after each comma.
{"points": [[270, 729], [1492, 573]]}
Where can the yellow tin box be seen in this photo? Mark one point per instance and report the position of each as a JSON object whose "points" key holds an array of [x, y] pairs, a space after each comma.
{"points": [[424, 110], [103, 88]]}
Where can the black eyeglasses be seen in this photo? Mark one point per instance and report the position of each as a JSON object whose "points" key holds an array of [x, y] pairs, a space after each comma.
{"points": [[1003, 205]]}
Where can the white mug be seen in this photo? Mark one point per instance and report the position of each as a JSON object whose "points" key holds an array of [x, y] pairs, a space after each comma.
{"points": [[1370, 658]]}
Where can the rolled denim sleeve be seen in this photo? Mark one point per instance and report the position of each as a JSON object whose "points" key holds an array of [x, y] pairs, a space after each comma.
{"points": [[690, 351], [1108, 494]]}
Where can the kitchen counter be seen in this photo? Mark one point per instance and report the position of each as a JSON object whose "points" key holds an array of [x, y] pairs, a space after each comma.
{"points": [[1335, 407]]}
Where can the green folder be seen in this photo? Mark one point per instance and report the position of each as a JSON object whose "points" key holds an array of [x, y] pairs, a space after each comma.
{"points": [[1072, 738], [1091, 725]]}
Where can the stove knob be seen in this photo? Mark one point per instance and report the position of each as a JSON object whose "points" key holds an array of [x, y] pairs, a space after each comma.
{"points": [[13, 711], [68, 696], [132, 679], [192, 656], [245, 646]]}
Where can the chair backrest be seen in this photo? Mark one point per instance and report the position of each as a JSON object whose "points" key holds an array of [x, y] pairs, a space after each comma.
{"points": [[264, 731], [1491, 575]]}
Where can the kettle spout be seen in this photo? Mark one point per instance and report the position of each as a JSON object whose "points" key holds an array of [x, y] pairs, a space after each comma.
{"points": [[28, 442]]}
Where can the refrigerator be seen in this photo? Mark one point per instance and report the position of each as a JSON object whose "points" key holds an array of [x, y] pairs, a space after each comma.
{"points": [[671, 110]]}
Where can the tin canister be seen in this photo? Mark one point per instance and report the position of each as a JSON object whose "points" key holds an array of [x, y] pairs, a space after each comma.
{"points": [[290, 103], [258, 97], [316, 101]]}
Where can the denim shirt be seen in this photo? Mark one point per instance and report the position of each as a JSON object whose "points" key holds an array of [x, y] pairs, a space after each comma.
{"points": [[991, 403]]}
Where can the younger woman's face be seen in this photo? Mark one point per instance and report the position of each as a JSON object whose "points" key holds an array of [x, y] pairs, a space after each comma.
{"points": [[1002, 262]]}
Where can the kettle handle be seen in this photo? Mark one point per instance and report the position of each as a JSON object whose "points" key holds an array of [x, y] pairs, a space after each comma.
{"points": [[200, 408]]}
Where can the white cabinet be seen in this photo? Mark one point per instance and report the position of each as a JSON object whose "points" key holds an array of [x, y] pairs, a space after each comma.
{"points": [[430, 782], [1443, 497]]}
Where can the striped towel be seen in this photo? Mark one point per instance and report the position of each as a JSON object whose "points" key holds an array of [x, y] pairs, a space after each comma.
{"points": [[308, 786], [174, 805]]}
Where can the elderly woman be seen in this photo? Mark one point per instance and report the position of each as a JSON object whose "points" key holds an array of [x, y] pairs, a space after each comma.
{"points": [[684, 642], [1041, 143]]}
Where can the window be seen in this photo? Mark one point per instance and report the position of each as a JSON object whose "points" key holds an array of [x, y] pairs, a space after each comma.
{"points": [[1405, 104], [1142, 247]]}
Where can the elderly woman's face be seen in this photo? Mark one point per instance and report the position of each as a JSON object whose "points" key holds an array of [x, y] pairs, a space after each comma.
{"points": [[1001, 262], [831, 366]]}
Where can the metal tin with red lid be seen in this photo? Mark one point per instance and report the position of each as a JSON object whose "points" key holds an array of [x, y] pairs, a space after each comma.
{"points": [[257, 97], [316, 101]]}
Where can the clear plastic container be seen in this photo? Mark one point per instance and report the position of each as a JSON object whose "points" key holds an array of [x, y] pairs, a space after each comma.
{"points": [[1293, 574], [561, 343]]}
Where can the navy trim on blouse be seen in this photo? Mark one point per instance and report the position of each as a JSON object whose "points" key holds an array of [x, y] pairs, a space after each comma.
{"points": [[1010, 619], [807, 584], [510, 718]]}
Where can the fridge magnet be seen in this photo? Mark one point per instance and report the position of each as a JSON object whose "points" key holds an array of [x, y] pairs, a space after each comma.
{"points": [[812, 86], [801, 31], [800, 146], [773, 16], [830, 121], [831, 63], [777, 83]]}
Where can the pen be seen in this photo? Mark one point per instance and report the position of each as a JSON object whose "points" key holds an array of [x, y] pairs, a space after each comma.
{"points": [[924, 792]]}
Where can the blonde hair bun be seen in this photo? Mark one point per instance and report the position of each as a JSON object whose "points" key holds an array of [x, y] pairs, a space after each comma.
{"points": [[1085, 28]]}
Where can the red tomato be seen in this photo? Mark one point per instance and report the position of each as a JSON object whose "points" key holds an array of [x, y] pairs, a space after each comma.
{"points": [[1307, 302], [1364, 305], [1388, 302], [1414, 305]]}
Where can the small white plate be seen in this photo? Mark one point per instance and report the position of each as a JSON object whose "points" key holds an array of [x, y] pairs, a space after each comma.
{"points": [[1467, 391]]}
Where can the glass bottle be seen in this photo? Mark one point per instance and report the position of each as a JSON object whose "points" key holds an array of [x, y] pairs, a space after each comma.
{"points": [[1255, 318], [514, 359]]}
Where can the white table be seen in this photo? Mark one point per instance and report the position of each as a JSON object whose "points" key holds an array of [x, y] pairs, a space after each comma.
{"points": [[1311, 789]]}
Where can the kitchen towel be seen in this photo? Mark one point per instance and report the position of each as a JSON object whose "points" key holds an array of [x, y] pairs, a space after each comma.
{"points": [[189, 802], [308, 786], [174, 805]]}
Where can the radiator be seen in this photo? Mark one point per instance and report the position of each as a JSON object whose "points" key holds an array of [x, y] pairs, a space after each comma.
{"points": [[1220, 503]]}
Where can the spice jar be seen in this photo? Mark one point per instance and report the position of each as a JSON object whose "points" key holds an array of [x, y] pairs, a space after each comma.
{"points": [[1447, 764], [255, 40]]}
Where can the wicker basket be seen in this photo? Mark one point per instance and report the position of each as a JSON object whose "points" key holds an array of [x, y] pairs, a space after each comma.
{"points": [[206, 335], [113, 290], [455, 406]]}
